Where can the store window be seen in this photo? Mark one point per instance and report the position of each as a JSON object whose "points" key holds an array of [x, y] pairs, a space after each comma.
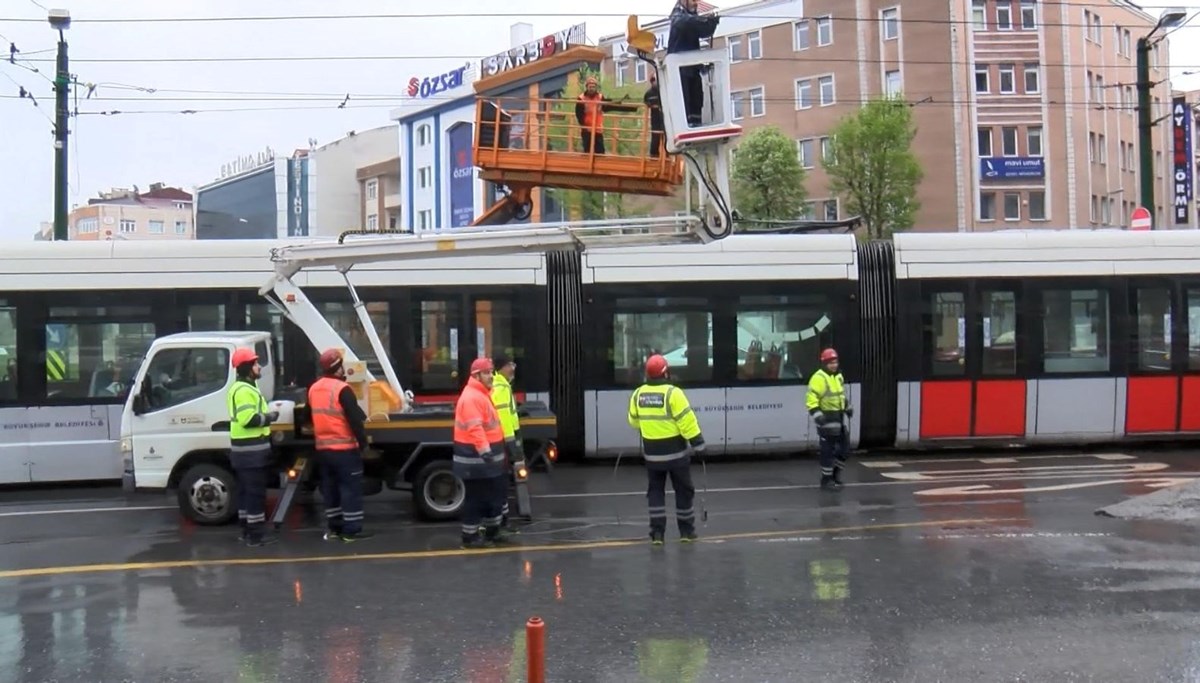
{"points": [[1075, 329]]}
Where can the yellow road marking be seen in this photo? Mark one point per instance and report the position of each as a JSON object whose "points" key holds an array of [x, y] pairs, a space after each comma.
{"points": [[459, 552]]}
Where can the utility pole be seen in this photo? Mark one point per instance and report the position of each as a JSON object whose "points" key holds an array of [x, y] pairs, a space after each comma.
{"points": [[1169, 18], [61, 20]]}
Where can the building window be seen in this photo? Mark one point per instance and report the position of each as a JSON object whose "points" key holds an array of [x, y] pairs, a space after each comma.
{"points": [[753, 44], [735, 49], [1102, 148], [804, 98], [825, 31], [827, 91], [424, 135], [758, 101], [1008, 79], [985, 142], [619, 69], [891, 23], [1096, 28], [805, 150], [87, 225], [1008, 138], [1126, 42], [1075, 330], [1004, 15], [831, 209], [800, 35], [373, 222], [1091, 147], [981, 79], [640, 72], [372, 189], [128, 225], [1012, 206], [424, 176], [979, 15], [425, 219], [891, 83], [826, 150], [739, 104], [1033, 79], [1037, 205], [987, 206], [180, 227], [156, 228], [1099, 89], [1033, 141], [1028, 15]]}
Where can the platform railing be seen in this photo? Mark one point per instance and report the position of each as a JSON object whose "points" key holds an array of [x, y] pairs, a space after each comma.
{"points": [[548, 130]]}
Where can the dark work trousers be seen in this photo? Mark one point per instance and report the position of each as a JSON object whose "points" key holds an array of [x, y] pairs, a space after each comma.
{"points": [[483, 505], [680, 472], [656, 142], [587, 136], [833, 452], [342, 489], [252, 473], [693, 93]]}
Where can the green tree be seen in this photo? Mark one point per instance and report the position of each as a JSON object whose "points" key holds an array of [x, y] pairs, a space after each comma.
{"points": [[872, 166], [767, 179], [621, 136]]}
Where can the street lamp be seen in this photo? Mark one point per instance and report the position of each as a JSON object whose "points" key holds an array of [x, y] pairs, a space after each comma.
{"points": [[60, 19], [1169, 18]]}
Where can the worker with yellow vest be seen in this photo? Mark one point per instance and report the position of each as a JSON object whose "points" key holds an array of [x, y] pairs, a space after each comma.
{"points": [[669, 434], [506, 409], [827, 404], [340, 437], [250, 446]]}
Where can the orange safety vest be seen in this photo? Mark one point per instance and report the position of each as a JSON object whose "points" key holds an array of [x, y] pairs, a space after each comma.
{"points": [[331, 429], [478, 436], [593, 111]]}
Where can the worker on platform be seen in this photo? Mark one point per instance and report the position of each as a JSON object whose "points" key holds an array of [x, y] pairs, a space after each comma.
{"points": [[510, 422], [827, 404], [669, 433], [340, 436], [653, 102], [479, 457], [250, 446], [589, 112], [688, 28]]}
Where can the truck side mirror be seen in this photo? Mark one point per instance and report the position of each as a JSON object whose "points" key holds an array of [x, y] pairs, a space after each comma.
{"points": [[141, 398]]}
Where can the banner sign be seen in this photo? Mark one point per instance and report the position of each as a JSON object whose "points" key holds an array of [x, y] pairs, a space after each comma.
{"points": [[297, 189], [531, 52], [462, 176], [1181, 185], [1002, 168], [430, 86]]}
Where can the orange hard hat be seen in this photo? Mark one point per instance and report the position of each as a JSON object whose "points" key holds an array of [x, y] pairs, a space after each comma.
{"points": [[482, 365], [331, 359], [243, 355], [656, 366], [828, 355]]}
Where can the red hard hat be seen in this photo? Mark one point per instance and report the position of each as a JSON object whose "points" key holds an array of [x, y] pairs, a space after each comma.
{"points": [[828, 355], [482, 365], [243, 355], [330, 360], [656, 366]]}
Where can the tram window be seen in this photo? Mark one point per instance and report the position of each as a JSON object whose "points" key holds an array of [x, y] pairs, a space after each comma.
{"points": [[206, 318], [437, 345], [1075, 328], [999, 333], [177, 376], [1153, 342], [266, 318], [1193, 313], [344, 319], [782, 344], [8, 352], [495, 322], [684, 338], [94, 359], [948, 334]]}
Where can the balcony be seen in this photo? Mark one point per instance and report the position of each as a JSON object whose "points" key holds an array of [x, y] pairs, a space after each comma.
{"points": [[391, 201]]}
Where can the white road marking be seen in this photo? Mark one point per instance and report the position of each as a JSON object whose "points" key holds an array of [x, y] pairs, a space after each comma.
{"points": [[948, 536], [997, 461], [881, 464], [76, 511], [1078, 456], [1017, 472], [986, 489], [1115, 456]]}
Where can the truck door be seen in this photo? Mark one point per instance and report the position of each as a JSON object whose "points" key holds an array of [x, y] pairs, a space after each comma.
{"points": [[181, 397]]}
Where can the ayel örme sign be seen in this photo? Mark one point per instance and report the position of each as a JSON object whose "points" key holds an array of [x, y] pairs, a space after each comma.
{"points": [[531, 52], [1181, 185], [429, 86]]}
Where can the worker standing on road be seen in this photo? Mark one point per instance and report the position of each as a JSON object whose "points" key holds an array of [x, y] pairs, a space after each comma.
{"points": [[669, 433], [506, 410], [250, 446], [827, 404], [479, 457], [340, 435]]}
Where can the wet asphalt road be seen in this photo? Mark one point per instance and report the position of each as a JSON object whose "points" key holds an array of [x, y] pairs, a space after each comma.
{"points": [[920, 570]]}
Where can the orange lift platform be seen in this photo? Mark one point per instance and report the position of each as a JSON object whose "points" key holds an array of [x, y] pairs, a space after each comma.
{"points": [[526, 142]]}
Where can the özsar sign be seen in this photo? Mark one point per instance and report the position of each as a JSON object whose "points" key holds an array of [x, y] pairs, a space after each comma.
{"points": [[247, 162], [538, 49], [429, 86]]}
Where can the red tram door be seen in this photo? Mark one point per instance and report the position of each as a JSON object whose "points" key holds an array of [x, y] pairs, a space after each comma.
{"points": [[971, 385]]}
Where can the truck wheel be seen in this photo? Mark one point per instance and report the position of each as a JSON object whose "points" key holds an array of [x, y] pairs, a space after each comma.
{"points": [[438, 493], [208, 494]]}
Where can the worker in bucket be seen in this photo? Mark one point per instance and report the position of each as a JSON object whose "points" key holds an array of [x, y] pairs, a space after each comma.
{"points": [[479, 458], [688, 28], [510, 422], [827, 404], [340, 436], [250, 446], [670, 433]]}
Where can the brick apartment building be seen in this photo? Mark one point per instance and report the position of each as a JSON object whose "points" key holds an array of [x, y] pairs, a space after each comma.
{"points": [[1026, 111], [162, 213]]}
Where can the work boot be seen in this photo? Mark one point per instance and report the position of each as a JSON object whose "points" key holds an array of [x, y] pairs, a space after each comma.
{"points": [[356, 536], [508, 527], [828, 483], [497, 535], [656, 538], [837, 476], [333, 535], [475, 542], [688, 537]]}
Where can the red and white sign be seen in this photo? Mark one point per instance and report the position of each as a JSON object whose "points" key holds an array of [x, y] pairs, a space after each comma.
{"points": [[1140, 219]]}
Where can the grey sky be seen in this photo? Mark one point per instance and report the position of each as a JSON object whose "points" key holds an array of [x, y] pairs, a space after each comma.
{"points": [[186, 150]]}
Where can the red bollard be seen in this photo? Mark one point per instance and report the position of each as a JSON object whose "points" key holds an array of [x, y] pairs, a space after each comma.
{"points": [[535, 649]]}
